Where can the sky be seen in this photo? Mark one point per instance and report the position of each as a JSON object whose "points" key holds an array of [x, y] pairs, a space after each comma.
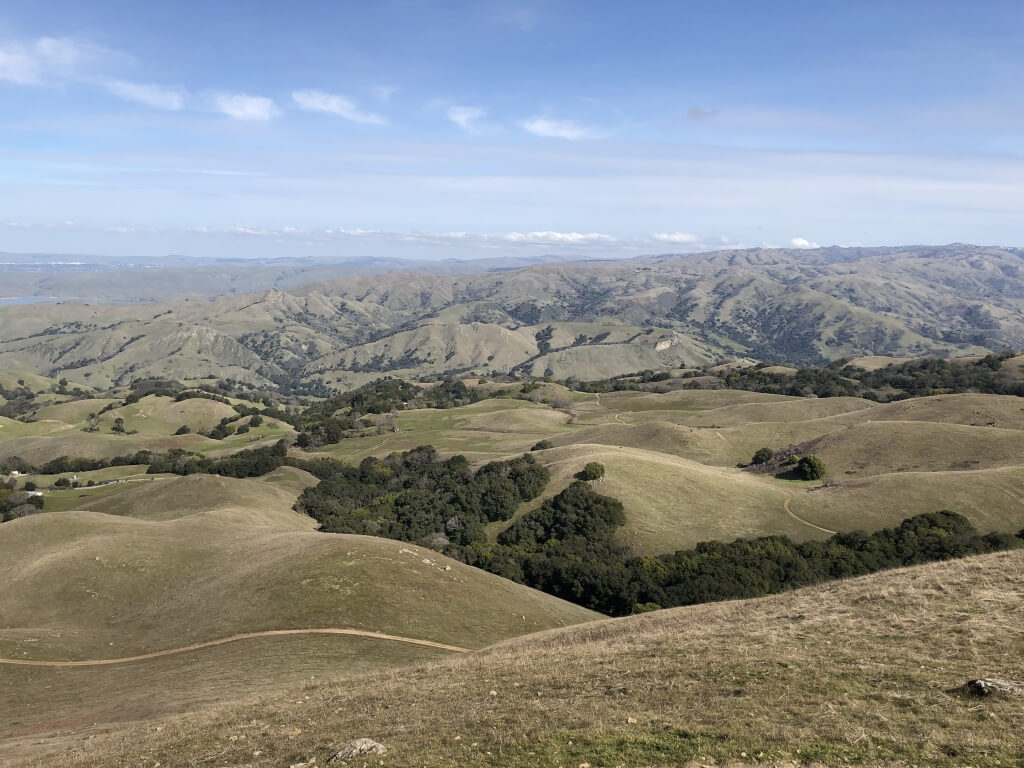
{"points": [[484, 128]]}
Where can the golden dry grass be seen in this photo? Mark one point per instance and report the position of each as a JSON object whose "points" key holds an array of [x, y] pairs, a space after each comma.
{"points": [[172, 561], [673, 503], [862, 672]]}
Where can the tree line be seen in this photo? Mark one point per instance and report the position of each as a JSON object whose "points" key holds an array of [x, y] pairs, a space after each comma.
{"points": [[417, 497], [568, 548]]}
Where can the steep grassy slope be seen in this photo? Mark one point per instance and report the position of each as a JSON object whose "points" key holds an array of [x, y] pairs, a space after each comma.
{"points": [[861, 672]]}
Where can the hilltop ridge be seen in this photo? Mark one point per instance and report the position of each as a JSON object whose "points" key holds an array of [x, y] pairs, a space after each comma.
{"points": [[587, 319]]}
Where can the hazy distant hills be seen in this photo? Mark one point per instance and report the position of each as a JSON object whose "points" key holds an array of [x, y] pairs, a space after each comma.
{"points": [[584, 319], [100, 278]]}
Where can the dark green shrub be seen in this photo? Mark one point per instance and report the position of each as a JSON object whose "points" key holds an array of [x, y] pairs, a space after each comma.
{"points": [[811, 467]]}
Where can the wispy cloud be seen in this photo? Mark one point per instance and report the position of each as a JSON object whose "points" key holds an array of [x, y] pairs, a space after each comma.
{"points": [[241, 106], [467, 118], [544, 238], [335, 104], [803, 242], [47, 60], [171, 98], [555, 129], [676, 238]]}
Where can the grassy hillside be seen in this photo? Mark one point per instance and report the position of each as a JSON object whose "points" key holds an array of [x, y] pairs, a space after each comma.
{"points": [[150, 423], [160, 563], [798, 677], [591, 319], [86, 578], [671, 458], [673, 503], [172, 562]]}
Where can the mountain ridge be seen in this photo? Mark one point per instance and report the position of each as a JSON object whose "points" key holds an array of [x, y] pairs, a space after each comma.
{"points": [[787, 305]]}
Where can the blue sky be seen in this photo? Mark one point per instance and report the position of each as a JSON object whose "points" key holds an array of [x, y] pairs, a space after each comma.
{"points": [[465, 129]]}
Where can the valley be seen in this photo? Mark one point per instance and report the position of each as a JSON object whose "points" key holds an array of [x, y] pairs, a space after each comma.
{"points": [[351, 482], [488, 384], [160, 590]]}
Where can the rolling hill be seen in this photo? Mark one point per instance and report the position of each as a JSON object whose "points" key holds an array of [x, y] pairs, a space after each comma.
{"points": [[172, 568], [587, 319], [159, 595], [672, 458], [799, 678]]}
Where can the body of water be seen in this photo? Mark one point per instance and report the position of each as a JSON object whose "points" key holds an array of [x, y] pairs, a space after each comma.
{"points": [[4, 300]]}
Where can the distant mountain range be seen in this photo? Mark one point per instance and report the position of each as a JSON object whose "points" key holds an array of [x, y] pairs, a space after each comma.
{"points": [[589, 320], [120, 279]]}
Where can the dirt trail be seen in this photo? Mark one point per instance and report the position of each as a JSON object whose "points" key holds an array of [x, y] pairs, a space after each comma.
{"points": [[234, 638], [616, 416], [791, 513], [786, 498]]}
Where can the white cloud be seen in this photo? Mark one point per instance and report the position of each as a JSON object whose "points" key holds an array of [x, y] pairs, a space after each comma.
{"points": [[555, 129], [47, 59], [678, 238], [53, 60], [171, 98], [803, 242], [547, 238], [243, 107], [335, 104], [466, 117], [563, 238]]}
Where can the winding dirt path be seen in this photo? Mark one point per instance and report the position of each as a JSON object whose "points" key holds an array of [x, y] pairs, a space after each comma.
{"points": [[786, 498], [791, 513], [235, 638]]}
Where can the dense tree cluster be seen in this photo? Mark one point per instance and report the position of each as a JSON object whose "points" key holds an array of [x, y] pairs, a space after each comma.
{"points": [[18, 400], [344, 415], [254, 462], [414, 496], [932, 376], [198, 394], [15, 503], [567, 548], [915, 378], [811, 467], [754, 567]]}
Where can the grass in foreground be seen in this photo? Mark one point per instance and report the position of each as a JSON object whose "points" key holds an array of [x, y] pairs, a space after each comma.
{"points": [[862, 672]]}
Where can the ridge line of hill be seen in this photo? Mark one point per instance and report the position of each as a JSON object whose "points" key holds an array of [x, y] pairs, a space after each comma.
{"points": [[236, 638]]}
